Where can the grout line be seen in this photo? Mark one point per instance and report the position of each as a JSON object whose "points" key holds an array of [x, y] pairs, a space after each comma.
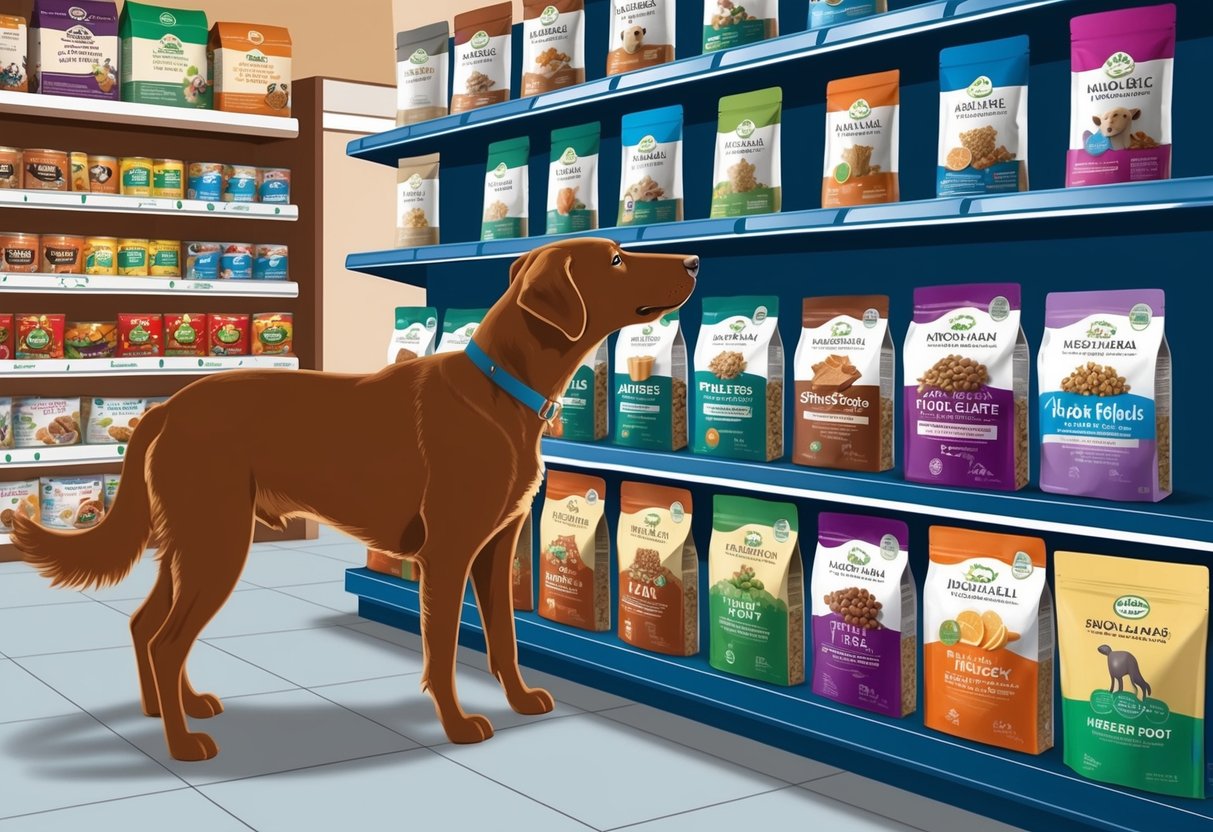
{"points": [[36, 718], [297, 769], [91, 803], [699, 808], [222, 808], [869, 811], [83, 599]]}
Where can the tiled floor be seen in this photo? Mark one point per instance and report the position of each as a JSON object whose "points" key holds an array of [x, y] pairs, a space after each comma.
{"points": [[325, 727]]}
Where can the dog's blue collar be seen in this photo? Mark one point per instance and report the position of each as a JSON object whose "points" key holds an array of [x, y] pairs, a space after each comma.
{"points": [[547, 409]]}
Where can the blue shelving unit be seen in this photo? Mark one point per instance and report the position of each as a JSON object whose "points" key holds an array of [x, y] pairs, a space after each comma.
{"points": [[1046, 239]]}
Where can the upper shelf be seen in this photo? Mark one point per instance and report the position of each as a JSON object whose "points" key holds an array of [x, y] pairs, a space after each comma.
{"points": [[426, 137], [156, 206], [147, 115], [738, 234], [93, 284]]}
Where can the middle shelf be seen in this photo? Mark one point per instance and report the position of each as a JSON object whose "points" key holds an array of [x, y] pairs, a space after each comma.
{"points": [[173, 366], [85, 284], [154, 206]]}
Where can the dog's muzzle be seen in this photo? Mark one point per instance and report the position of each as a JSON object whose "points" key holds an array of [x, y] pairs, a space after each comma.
{"points": [[691, 264]]}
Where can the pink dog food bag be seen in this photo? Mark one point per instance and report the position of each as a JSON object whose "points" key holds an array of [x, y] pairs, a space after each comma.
{"points": [[1121, 65]]}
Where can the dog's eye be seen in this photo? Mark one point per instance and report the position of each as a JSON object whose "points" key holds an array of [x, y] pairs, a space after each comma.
{"points": [[616, 260]]}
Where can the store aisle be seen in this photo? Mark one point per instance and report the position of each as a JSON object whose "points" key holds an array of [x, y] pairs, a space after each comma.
{"points": [[326, 727]]}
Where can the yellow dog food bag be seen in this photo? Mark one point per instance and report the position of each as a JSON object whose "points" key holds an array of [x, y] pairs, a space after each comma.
{"points": [[988, 639], [1133, 637]]}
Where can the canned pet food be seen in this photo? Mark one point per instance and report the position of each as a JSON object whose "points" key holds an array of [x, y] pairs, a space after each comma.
{"points": [[270, 262], [236, 262], [185, 334], [103, 174], [46, 170], [19, 252], [227, 334], [10, 167], [101, 255], [62, 254], [239, 183], [132, 257], [136, 174], [164, 258], [274, 185], [205, 181], [79, 165], [202, 260], [139, 335], [168, 178], [273, 333]]}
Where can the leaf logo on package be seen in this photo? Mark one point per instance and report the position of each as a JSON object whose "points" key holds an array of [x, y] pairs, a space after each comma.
{"points": [[840, 330], [415, 181], [737, 325], [979, 573], [1131, 607], [858, 556], [420, 56], [859, 110], [568, 157], [480, 40], [171, 43], [647, 145], [549, 16], [255, 37], [77, 13], [652, 519], [746, 128], [753, 539], [961, 323], [981, 87], [1119, 64], [1101, 329], [167, 19], [500, 170]]}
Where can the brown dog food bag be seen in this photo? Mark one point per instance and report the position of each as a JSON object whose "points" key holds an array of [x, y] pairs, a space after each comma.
{"points": [[844, 371], [553, 45], [482, 57], [658, 570], [522, 569], [642, 34], [575, 554], [386, 564], [417, 202]]}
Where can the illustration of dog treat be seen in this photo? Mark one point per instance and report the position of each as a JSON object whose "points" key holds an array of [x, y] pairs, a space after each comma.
{"points": [[857, 606], [728, 365], [553, 45], [641, 34], [646, 190], [479, 82], [859, 158], [572, 204], [640, 367], [1092, 379], [955, 372]]}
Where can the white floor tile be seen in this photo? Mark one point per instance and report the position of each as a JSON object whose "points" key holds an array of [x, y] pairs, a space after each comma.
{"points": [[330, 595], [905, 806], [414, 790], [589, 767], [290, 567], [26, 588], [32, 631], [23, 697], [14, 567], [347, 550], [259, 611], [70, 760], [325, 656], [374, 629], [183, 810]]}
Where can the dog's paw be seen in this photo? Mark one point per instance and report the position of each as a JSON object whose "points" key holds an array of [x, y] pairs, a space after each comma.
{"points": [[202, 705], [532, 702], [469, 729], [193, 748]]}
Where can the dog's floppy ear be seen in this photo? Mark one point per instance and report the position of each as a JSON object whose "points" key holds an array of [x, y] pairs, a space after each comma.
{"points": [[549, 293], [1098, 123], [519, 266]]}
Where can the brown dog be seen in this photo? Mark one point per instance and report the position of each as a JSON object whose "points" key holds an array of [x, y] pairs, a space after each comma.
{"points": [[405, 492]]}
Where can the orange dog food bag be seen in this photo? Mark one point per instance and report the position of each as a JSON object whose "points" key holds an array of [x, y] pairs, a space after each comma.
{"points": [[988, 639], [575, 553], [861, 140]]}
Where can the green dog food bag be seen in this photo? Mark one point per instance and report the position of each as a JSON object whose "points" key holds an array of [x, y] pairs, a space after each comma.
{"points": [[746, 176], [584, 405], [651, 385], [458, 327], [164, 56], [573, 179], [415, 334], [506, 190], [756, 594]]}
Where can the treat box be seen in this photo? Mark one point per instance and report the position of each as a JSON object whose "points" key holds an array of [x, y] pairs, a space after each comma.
{"points": [[118, 204], [116, 285], [151, 366]]}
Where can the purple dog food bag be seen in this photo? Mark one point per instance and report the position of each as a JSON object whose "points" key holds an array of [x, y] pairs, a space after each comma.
{"points": [[865, 614], [74, 48], [1105, 396], [1121, 66], [966, 388]]}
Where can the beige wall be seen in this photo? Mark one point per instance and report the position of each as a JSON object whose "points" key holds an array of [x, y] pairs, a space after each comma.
{"points": [[412, 13]]}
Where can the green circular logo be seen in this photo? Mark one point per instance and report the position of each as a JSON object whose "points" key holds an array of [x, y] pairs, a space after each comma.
{"points": [[1101, 702], [1127, 705], [842, 173], [949, 632]]}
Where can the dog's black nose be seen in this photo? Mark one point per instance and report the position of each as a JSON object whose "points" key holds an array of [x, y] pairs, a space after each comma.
{"points": [[691, 264]]}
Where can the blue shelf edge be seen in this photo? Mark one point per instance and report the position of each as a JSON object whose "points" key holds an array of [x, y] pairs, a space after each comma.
{"points": [[388, 147], [1032, 792], [1151, 523], [1171, 194]]}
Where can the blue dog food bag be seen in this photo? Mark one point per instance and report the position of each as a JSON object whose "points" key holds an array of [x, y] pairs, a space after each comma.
{"points": [[824, 13], [983, 118]]}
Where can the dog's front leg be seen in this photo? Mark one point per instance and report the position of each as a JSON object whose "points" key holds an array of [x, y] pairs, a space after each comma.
{"points": [[494, 586]]}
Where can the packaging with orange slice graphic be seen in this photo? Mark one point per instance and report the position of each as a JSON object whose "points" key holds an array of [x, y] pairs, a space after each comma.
{"points": [[988, 639], [861, 140]]}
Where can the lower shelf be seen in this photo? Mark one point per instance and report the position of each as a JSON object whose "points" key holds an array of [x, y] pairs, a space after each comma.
{"points": [[1037, 793], [145, 366]]}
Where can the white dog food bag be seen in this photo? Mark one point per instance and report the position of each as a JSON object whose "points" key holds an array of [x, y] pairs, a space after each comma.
{"points": [[651, 178], [506, 190], [482, 57], [729, 23], [422, 76], [458, 327], [111, 421], [642, 34], [415, 334], [38, 422]]}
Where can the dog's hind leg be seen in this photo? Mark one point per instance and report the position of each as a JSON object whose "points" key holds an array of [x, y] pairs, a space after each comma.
{"points": [[493, 581]]}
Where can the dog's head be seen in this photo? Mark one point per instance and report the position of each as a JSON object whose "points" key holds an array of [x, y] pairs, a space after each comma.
{"points": [[584, 289], [633, 37], [1116, 121]]}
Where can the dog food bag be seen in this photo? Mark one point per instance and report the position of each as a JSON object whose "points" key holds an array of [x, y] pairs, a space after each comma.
{"points": [[642, 34], [583, 412], [988, 639], [185, 334], [844, 370], [651, 187], [164, 58], [553, 45], [983, 118], [14, 59], [227, 334], [111, 421], [651, 385], [8, 337], [71, 503], [273, 333], [38, 422], [1105, 395], [18, 498], [756, 594], [40, 336], [482, 57], [1132, 635], [862, 138], [417, 202], [573, 179], [746, 178], [824, 13], [109, 483], [1121, 70], [415, 334], [250, 65], [736, 22], [739, 379], [90, 339], [575, 559], [73, 48], [139, 335], [966, 387], [422, 77], [6, 422], [458, 327], [522, 570], [658, 570], [865, 614], [386, 564], [506, 188]]}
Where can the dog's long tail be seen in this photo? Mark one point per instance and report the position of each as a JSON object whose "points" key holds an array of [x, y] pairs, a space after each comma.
{"points": [[105, 554]]}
